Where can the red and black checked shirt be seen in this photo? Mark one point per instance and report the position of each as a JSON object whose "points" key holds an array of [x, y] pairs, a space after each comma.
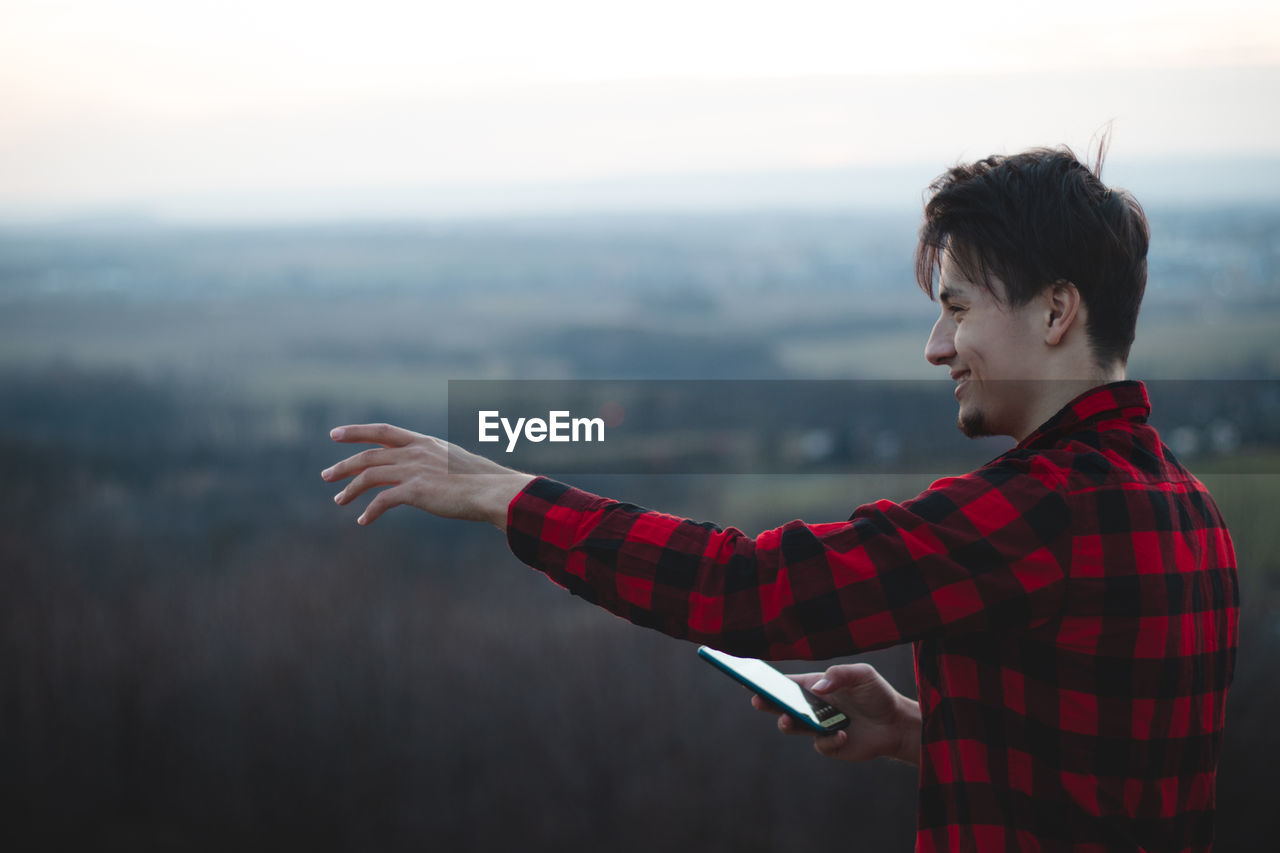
{"points": [[1072, 604]]}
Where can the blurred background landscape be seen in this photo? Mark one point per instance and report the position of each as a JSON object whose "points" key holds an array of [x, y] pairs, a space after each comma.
{"points": [[200, 650], [225, 230]]}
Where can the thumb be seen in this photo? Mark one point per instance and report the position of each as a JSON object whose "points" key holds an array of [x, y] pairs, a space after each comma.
{"points": [[844, 677]]}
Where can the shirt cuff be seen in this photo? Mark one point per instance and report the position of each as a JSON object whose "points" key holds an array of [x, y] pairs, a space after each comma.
{"points": [[545, 516]]}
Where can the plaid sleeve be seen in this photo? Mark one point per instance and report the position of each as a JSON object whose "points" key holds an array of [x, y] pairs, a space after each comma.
{"points": [[974, 553]]}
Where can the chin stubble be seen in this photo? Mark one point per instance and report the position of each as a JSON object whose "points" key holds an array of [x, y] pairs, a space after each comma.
{"points": [[973, 425]]}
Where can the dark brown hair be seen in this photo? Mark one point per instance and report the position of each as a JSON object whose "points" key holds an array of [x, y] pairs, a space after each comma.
{"points": [[1036, 218]]}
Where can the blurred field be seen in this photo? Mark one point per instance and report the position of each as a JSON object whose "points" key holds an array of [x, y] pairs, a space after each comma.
{"points": [[198, 651]]}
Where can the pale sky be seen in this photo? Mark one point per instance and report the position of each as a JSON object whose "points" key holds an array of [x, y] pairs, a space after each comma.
{"points": [[166, 105]]}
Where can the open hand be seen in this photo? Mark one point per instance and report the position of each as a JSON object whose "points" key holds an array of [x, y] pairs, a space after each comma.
{"points": [[425, 472]]}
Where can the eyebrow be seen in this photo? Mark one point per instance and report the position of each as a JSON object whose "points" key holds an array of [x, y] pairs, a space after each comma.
{"points": [[947, 293]]}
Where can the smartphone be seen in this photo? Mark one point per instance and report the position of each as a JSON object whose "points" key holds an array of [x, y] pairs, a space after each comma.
{"points": [[789, 697]]}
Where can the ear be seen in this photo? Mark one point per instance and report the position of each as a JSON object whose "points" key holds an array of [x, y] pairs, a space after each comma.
{"points": [[1062, 306]]}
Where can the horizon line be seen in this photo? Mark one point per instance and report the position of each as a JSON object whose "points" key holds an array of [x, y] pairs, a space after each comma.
{"points": [[889, 187]]}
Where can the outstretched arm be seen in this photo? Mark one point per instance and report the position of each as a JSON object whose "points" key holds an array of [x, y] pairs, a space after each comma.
{"points": [[882, 722], [425, 472], [892, 573]]}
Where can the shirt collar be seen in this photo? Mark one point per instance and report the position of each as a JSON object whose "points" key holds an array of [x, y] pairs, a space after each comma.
{"points": [[1125, 400]]}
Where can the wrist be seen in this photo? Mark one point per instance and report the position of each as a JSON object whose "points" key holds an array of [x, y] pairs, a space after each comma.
{"points": [[495, 502]]}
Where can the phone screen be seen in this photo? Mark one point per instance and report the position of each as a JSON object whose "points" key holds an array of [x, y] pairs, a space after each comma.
{"points": [[778, 689]]}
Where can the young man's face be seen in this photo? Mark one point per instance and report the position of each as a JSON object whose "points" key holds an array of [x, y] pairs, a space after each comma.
{"points": [[987, 345]]}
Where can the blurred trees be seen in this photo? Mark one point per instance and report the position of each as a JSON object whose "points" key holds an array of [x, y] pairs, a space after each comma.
{"points": [[198, 650]]}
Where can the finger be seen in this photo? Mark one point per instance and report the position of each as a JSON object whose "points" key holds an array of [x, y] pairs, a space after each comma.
{"points": [[382, 502], [761, 704], [829, 745], [384, 434], [370, 478], [353, 465], [788, 725]]}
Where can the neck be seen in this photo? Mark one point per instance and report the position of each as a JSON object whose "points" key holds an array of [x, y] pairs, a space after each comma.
{"points": [[1047, 398]]}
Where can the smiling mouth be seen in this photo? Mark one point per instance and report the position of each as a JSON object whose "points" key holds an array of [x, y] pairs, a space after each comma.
{"points": [[962, 379]]}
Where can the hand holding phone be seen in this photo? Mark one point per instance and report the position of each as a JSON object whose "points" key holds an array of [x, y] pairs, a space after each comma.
{"points": [[815, 714]]}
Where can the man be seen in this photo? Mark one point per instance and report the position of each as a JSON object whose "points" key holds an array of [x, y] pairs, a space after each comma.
{"points": [[1072, 603]]}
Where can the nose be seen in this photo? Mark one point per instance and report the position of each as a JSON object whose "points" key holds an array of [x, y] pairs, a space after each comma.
{"points": [[941, 345]]}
